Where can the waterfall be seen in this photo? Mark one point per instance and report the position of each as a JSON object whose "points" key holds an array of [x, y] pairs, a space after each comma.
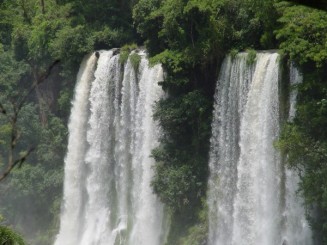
{"points": [[297, 228], [107, 195], [248, 195]]}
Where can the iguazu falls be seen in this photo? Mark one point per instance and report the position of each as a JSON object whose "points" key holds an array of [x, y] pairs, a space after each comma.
{"points": [[107, 193], [163, 122]]}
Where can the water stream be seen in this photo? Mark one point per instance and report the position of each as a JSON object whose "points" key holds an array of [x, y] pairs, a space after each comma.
{"points": [[251, 195], [107, 195]]}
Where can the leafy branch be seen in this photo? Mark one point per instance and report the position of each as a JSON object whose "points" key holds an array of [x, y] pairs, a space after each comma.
{"points": [[14, 161]]}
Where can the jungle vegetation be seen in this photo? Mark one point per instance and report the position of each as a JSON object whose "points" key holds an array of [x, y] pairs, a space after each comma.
{"points": [[42, 43]]}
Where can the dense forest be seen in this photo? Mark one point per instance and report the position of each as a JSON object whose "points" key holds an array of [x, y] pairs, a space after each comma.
{"points": [[43, 43]]}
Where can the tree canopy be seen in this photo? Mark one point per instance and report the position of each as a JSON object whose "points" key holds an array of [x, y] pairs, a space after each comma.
{"points": [[43, 41]]}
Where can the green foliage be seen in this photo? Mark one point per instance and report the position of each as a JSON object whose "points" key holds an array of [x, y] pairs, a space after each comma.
{"points": [[181, 169], [125, 51], [109, 37], [71, 43], [251, 57], [135, 61], [303, 39], [172, 60], [174, 185], [198, 234], [304, 142], [233, 53], [30, 194], [9, 237], [148, 22], [263, 23], [12, 76], [27, 195], [113, 13], [185, 118], [190, 39], [32, 36], [197, 227], [43, 30], [66, 30], [123, 57], [303, 33], [64, 100]]}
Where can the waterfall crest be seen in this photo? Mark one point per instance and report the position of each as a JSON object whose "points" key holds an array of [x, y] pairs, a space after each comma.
{"points": [[247, 186], [107, 195]]}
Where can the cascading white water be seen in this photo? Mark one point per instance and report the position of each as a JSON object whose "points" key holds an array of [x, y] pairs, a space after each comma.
{"points": [[96, 226], [107, 195], [70, 221], [230, 97], [146, 216], [257, 205], [246, 184], [297, 229]]}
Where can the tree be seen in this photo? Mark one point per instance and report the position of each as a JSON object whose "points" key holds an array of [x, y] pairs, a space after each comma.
{"points": [[302, 34], [9, 237], [42, 44], [190, 40], [303, 39], [11, 116]]}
